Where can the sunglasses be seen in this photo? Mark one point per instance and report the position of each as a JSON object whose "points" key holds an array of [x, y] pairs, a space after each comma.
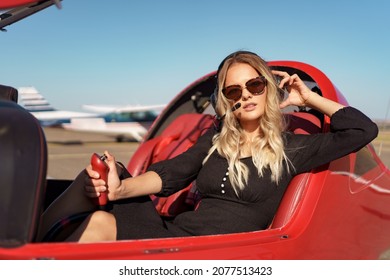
{"points": [[255, 86]]}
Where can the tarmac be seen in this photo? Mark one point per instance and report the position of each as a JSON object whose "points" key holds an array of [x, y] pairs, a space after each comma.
{"points": [[69, 152]]}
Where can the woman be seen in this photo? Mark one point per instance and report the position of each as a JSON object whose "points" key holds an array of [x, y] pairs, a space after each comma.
{"points": [[242, 170]]}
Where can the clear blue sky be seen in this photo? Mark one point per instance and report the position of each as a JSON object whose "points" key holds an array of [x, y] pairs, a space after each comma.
{"points": [[145, 52]]}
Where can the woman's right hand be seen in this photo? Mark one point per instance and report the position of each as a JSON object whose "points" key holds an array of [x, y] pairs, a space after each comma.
{"points": [[94, 185]]}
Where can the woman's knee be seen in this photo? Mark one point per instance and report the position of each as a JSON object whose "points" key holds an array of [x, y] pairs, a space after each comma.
{"points": [[103, 219], [100, 225]]}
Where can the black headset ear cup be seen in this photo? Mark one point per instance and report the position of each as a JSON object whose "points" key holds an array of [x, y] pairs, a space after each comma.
{"points": [[213, 101], [214, 98]]}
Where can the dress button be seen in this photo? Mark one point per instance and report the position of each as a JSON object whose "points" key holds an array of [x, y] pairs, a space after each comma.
{"points": [[224, 180]]}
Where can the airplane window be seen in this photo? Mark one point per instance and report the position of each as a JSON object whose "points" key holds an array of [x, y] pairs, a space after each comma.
{"points": [[362, 174], [146, 116], [364, 162]]}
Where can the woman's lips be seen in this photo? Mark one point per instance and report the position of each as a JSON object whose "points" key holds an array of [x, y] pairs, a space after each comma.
{"points": [[250, 106]]}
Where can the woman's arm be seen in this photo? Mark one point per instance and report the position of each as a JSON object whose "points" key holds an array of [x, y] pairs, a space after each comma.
{"points": [[301, 95], [162, 178], [350, 129], [144, 184], [322, 104]]}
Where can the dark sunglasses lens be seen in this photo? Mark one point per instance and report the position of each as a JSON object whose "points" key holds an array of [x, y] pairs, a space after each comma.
{"points": [[233, 92], [256, 85]]}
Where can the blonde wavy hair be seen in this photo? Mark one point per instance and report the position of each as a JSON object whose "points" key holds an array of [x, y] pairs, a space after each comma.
{"points": [[267, 148]]}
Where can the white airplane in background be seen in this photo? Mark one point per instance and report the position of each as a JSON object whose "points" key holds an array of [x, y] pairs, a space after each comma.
{"points": [[39, 107], [122, 122]]}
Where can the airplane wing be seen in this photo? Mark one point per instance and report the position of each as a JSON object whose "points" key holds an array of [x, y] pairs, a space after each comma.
{"points": [[123, 109], [131, 130], [24, 8]]}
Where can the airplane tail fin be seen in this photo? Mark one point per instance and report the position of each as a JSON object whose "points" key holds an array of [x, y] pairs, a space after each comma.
{"points": [[33, 101]]}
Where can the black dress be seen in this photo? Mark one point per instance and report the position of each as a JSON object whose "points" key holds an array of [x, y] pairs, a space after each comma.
{"points": [[221, 210]]}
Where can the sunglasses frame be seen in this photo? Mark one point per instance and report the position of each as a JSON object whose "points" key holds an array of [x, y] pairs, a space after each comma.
{"points": [[248, 87]]}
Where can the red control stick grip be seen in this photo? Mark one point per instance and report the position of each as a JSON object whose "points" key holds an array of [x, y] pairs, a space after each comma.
{"points": [[99, 165]]}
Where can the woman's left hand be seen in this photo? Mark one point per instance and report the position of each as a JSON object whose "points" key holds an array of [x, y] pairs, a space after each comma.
{"points": [[298, 92]]}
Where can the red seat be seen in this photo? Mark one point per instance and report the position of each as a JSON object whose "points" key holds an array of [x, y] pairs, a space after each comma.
{"points": [[181, 134], [303, 123]]}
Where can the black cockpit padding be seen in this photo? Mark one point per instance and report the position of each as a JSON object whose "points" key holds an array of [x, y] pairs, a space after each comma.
{"points": [[8, 93], [23, 166]]}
